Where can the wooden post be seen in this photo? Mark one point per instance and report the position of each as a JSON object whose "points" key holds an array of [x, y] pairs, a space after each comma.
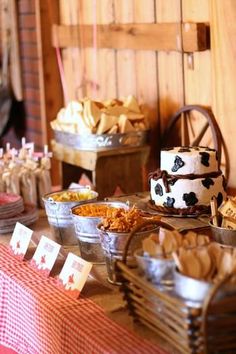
{"points": [[50, 84]]}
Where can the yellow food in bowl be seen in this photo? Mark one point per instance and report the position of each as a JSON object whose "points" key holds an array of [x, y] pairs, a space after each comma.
{"points": [[72, 196]]}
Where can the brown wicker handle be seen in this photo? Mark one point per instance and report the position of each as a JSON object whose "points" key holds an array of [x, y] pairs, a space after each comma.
{"points": [[208, 114], [140, 227], [207, 302]]}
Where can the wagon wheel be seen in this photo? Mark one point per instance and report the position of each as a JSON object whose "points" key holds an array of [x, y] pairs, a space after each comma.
{"points": [[201, 129]]}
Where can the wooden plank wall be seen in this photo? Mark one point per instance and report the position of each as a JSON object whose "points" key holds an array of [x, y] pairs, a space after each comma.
{"points": [[223, 44], [162, 81]]}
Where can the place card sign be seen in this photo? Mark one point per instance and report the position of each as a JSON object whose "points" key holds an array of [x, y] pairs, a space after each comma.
{"points": [[20, 240], [45, 255], [74, 274]]}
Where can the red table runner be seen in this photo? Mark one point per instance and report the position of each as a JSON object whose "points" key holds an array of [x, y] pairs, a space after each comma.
{"points": [[37, 317]]}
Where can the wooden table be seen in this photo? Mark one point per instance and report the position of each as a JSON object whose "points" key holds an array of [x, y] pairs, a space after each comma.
{"points": [[98, 289], [107, 168]]}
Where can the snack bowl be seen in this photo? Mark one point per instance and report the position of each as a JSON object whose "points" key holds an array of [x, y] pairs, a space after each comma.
{"points": [[86, 228], [58, 210], [190, 288], [113, 244], [223, 235], [155, 269]]}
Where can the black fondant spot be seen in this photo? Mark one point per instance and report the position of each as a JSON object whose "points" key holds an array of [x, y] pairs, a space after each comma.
{"points": [[219, 199], [169, 202], [184, 149], [207, 182], [172, 181], [158, 189], [205, 158], [178, 163], [167, 149], [190, 198]]}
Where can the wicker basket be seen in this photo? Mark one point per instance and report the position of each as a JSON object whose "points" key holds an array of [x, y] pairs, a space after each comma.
{"points": [[190, 327]]}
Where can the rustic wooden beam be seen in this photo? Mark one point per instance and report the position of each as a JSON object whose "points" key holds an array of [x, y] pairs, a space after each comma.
{"points": [[51, 96], [156, 36]]}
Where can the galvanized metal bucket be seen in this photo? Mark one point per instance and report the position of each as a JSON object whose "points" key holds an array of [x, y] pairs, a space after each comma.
{"points": [[113, 244], [223, 236], [189, 288], [156, 270], [87, 233], [59, 216]]}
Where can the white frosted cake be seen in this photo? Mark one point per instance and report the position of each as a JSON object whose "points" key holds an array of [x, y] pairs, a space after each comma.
{"points": [[187, 180]]}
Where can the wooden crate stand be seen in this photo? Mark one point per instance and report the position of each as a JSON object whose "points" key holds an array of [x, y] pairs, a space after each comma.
{"points": [[107, 168]]}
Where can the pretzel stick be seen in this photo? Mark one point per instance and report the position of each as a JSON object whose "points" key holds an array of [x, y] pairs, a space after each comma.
{"points": [[214, 211]]}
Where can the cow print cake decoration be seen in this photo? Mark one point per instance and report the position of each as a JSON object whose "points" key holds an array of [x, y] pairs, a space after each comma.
{"points": [[205, 158], [190, 199], [178, 163], [207, 182], [169, 202], [158, 189]]}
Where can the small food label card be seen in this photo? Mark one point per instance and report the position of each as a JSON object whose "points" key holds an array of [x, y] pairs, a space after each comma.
{"points": [[74, 274], [45, 255], [20, 240]]}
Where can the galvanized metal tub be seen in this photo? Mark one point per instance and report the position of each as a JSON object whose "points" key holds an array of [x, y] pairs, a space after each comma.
{"points": [[102, 141], [156, 270], [113, 244], [87, 233], [224, 236], [189, 288], [59, 214]]}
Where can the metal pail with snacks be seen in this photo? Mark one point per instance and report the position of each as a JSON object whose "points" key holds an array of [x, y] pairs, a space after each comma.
{"points": [[58, 209], [85, 219], [113, 244]]}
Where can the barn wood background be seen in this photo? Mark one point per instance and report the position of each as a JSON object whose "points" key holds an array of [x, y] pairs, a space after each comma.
{"points": [[164, 76]]}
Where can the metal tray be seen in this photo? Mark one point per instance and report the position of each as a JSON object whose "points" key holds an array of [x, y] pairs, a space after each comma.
{"points": [[103, 141]]}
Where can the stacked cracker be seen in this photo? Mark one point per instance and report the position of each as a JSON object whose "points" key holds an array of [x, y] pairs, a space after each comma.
{"points": [[107, 117]]}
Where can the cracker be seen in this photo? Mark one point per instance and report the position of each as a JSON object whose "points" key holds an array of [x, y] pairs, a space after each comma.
{"points": [[124, 124], [106, 122], [131, 103], [192, 238], [205, 260]]}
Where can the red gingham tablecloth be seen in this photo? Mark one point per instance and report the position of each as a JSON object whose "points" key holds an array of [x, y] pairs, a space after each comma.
{"points": [[37, 317]]}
